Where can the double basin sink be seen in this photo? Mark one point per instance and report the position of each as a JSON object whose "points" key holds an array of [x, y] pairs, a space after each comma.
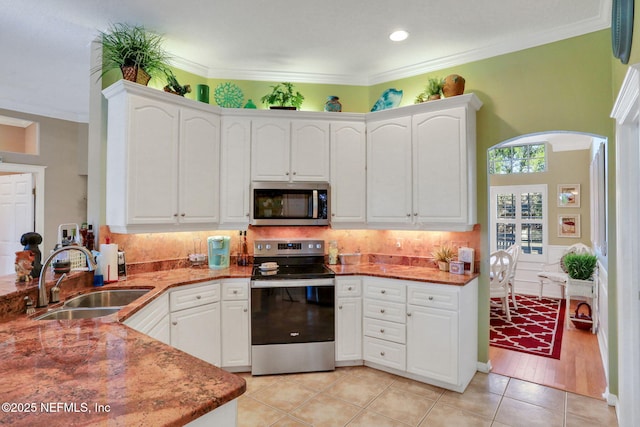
{"points": [[94, 304]]}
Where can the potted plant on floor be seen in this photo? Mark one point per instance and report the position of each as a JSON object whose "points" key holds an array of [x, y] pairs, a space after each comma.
{"points": [[137, 52], [443, 256], [283, 97]]}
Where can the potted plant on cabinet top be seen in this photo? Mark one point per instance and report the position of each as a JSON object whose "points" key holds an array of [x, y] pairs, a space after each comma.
{"points": [[442, 256], [432, 91], [282, 96], [137, 52]]}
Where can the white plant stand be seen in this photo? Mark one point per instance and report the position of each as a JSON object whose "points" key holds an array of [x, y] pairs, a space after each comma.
{"points": [[582, 290]]}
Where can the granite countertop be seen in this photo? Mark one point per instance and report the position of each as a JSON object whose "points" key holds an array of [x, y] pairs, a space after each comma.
{"points": [[99, 371]]}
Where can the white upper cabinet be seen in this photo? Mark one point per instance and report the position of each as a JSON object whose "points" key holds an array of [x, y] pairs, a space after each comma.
{"points": [[235, 172], [421, 165], [289, 150], [348, 173], [389, 171], [162, 162]]}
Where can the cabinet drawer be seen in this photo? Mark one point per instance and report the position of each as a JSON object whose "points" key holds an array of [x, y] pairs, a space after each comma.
{"points": [[390, 331], [385, 353], [348, 287], [385, 290], [391, 311], [194, 296], [437, 296], [232, 291]]}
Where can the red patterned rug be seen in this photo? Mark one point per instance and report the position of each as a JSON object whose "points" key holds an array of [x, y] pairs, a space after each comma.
{"points": [[535, 328]]}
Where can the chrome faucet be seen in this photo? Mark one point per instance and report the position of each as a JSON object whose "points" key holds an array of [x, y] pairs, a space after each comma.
{"points": [[42, 288]]}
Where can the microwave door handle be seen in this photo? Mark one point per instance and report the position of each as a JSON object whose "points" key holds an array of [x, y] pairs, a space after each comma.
{"points": [[315, 204]]}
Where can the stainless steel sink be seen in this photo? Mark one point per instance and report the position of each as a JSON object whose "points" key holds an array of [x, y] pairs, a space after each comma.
{"points": [[108, 298], [77, 313]]}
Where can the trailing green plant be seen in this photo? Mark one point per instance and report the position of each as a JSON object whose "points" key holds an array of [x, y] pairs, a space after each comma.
{"points": [[433, 88], [125, 45], [444, 253], [580, 266], [283, 95]]}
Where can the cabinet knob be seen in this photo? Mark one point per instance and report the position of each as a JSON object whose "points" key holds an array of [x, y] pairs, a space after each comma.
{"points": [[408, 314], [408, 215], [198, 297], [382, 310], [349, 288], [294, 173], [383, 291], [247, 214], [183, 214], [286, 173], [175, 215], [245, 310], [382, 353], [415, 214], [174, 323], [382, 330], [430, 298], [235, 291], [332, 214], [339, 307]]}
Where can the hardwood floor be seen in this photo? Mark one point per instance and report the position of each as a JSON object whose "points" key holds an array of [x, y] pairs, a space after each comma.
{"points": [[579, 369]]}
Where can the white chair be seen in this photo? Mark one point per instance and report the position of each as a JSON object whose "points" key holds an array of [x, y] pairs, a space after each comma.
{"points": [[514, 251], [501, 264], [556, 272]]}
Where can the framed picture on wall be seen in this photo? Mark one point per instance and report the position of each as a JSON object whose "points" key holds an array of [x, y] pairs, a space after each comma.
{"points": [[569, 195], [569, 225]]}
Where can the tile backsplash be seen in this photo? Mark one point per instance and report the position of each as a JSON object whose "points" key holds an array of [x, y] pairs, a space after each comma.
{"points": [[391, 246]]}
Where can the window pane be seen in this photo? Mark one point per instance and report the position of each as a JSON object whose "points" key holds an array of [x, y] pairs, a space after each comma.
{"points": [[531, 239], [505, 235], [517, 159], [506, 206], [531, 205]]}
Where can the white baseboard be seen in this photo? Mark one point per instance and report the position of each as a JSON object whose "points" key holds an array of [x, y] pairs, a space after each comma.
{"points": [[485, 368]]}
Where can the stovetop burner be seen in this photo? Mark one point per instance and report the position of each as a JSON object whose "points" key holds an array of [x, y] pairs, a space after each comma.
{"points": [[296, 259]]}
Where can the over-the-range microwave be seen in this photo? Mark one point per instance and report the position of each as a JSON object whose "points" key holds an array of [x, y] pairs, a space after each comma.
{"points": [[290, 203]]}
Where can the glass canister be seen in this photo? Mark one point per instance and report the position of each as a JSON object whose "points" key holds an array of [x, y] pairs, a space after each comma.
{"points": [[333, 252]]}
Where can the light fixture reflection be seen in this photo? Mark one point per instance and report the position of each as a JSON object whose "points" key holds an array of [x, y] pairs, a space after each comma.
{"points": [[398, 36]]}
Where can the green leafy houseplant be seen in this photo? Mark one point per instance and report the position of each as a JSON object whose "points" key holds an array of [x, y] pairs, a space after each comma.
{"points": [[580, 266], [432, 91], [137, 52], [283, 95]]}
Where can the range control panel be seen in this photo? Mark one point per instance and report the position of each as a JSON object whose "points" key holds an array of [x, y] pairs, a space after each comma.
{"points": [[268, 248]]}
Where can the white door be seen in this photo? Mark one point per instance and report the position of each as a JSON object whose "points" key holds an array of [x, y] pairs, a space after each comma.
{"points": [[16, 216]]}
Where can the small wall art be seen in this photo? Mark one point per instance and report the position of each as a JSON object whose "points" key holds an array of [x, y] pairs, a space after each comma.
{"points": [[569, 195], [569, 225]]}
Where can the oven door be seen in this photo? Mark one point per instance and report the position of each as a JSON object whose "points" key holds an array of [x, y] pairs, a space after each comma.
{"points": [[292, 311]]}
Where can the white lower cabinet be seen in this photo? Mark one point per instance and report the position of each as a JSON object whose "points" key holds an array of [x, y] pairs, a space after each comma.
{"points": [[195, 321], [236, 344], [153, 319], [348, 319]]}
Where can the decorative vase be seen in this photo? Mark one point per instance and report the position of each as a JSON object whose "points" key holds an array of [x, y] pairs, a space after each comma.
{"points": [[443, 265], [453, 85], [202, 93], [250, 104], [135, 74], [433, 97], [333, 104]]}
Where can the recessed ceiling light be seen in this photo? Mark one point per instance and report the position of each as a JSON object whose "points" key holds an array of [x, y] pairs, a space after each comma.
{"points": [[398, 36]]}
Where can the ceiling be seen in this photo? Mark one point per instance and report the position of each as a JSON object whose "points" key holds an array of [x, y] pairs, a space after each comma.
{"points": [[46, 45]]}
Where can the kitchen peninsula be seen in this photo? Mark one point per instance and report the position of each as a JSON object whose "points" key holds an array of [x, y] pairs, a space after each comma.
{"points": [[107, 373]]}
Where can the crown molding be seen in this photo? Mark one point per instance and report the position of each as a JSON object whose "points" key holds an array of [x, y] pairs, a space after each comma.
{"points": [[45, 111]]}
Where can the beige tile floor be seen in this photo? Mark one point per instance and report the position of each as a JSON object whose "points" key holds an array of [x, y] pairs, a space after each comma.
{"points": [[365, 397]]}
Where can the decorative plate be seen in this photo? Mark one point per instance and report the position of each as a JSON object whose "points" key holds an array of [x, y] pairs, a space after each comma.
{"points": [[228, 95], [622, 29], [389, 99]]}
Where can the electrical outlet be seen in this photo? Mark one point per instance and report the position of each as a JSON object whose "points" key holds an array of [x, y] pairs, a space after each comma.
{"points": [[399, 244]]}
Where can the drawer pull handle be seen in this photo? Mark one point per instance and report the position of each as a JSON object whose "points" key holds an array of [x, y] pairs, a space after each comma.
{"points": [[383, 291], [382, 310], [382, 330], [382, 353]]}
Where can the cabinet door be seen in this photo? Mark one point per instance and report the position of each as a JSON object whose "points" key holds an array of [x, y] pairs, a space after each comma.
{"points": [[440, 169], [152, 144], [162, 330], [270, 145], [199, 166], [348, 173], [349, 329], [150, 316], [235, 333], [235, 173], [432, 343], [389, 171], [309, 150], [197, 331]]}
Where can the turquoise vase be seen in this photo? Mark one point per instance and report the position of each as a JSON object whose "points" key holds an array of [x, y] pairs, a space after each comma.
{"points": [[333, 104]]}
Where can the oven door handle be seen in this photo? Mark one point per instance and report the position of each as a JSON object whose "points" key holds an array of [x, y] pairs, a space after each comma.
{"points": [[290, 283]]}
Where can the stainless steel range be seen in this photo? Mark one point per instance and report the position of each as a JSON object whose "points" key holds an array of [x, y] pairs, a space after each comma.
{"points": [[292, 308]]}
